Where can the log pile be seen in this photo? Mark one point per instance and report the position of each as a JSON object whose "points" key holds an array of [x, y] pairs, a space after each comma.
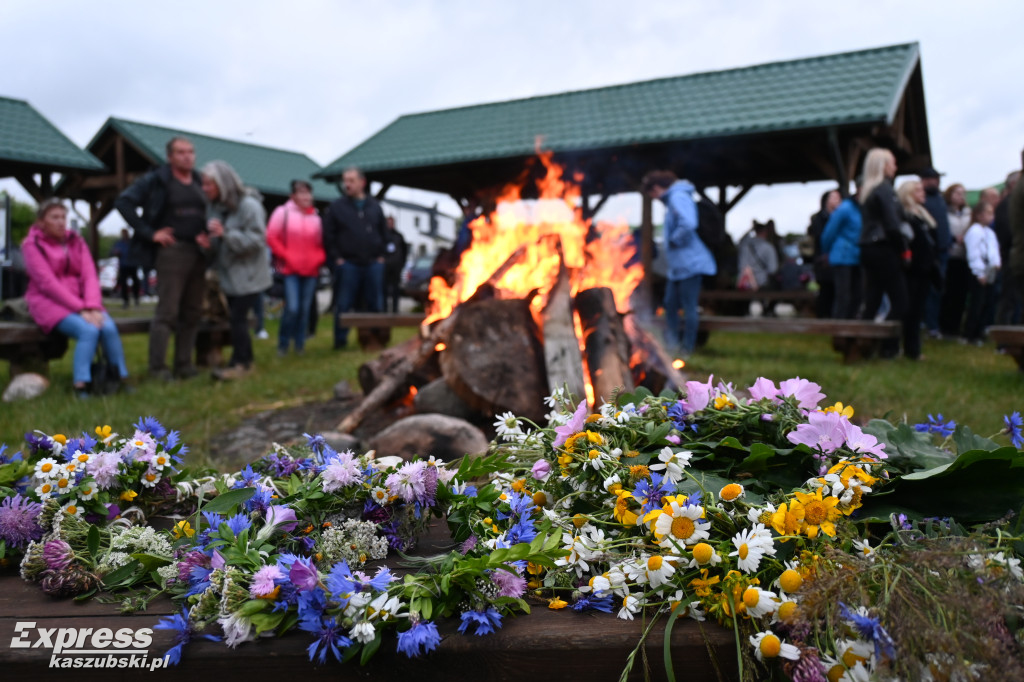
{"points": [[496, 355]]}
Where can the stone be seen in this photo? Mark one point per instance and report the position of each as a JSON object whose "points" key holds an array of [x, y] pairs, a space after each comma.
{"points": [[438, 397], [342, 441], [437, 435], [25, 387], [343, 391]]}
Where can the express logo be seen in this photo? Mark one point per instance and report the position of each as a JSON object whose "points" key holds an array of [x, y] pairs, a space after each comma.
{"points": [[82, 640]]}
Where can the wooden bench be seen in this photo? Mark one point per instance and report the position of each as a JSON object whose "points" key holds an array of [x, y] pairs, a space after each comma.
{"points": [[28, 349], [854, 339], [736, 302], [1011, 339]]}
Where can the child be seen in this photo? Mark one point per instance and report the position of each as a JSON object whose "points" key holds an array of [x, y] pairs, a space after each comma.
{"points": [[983, 259]]}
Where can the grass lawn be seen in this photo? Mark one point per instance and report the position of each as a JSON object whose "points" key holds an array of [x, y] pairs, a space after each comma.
{"points": [[974, 386]]}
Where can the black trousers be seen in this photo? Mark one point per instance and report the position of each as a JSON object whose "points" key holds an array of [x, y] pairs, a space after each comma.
{"points": [[882, 270], [241, 339]]}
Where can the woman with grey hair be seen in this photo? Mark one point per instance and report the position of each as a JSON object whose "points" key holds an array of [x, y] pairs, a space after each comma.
{"points": [[238, 244]]}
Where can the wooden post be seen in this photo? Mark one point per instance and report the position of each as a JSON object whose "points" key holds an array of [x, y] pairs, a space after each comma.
{"points": [[607, 345], [646, 236], [562, 356], [119, 169]]}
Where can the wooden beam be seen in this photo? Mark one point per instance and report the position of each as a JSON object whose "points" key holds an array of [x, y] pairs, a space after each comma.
{"points": [[119, 170], [840, 163], [736, 199], [646, 236], [29, 183], [382, 191]]}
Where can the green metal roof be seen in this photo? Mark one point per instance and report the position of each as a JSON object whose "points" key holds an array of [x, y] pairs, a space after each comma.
{"points": [[833, 90], [26, 137], [266, 169]]}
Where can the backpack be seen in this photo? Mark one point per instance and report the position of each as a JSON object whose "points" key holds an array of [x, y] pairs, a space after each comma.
{"points": [[710, 226]]}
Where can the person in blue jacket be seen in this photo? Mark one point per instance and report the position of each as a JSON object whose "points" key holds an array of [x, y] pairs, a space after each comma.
{"points": [[688, 259], [841, 241]]}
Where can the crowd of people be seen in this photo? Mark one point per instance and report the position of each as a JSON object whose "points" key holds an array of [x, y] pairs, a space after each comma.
{"points": [[919, 254], [187, 222]]}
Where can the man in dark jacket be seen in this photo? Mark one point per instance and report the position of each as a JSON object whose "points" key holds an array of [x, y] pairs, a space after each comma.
{"points": [[394, 261], [169, 233], [936, 206], [1010, 306], [355, 238]]}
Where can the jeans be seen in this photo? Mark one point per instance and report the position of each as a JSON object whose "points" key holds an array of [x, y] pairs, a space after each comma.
{"points": [[241, 340], [682, 293], [356, 287], [847, 299], [88, 336], [298, 299]]}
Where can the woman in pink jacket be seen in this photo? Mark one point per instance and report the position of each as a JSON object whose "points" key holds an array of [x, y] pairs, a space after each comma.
{"points": [[64, 293], [294, 237]]}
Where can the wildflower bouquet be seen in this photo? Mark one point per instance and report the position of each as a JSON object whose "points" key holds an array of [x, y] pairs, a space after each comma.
{"points": [[99, 479]]}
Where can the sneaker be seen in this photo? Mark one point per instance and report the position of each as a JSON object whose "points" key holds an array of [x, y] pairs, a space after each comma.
{"points": [[262, 334]]}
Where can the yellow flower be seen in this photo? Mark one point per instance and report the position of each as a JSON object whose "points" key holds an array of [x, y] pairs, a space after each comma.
{"points": [[722, 402], [623, 514], [595, 438], [60, 438], [183, 528], [129, 495], [790, 580], [702, 585], [787, 519], [592, 418], [103, 431], [819, 513], [638, 471], [845, 410], [557, 603], [731, 492]]}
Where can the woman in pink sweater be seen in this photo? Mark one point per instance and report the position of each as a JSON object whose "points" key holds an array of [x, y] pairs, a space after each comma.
{"points": [[294, 235], [64, 293]]}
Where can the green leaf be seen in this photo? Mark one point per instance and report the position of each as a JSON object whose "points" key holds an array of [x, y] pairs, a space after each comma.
{"points": [[122, 576], [253, 606], [227, 501], [426, 608], [151, 561], [907, 448], [267, 621], [966, 440], [93, 542]]}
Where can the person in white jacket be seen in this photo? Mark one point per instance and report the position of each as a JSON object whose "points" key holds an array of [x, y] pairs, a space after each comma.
{"points": [[983, 259]]}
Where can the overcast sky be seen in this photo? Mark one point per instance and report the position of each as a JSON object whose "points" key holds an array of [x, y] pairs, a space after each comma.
{"points": [[320, 76]]}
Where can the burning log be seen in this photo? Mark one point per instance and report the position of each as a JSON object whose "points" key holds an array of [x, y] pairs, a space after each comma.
{"points": [[606, 343], [399, 373], [494, 361], [372, 372], [562, 356], [656, 368]]}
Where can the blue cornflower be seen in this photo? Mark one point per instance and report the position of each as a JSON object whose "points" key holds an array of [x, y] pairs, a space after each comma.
{"points": [[38, 444], [260, 501], [198, 580], [86, 443], [182, 634], [382, 579], [522, 531], [936, 425], [649, 492], [247, 478], [421, 638], [151, 426], [486, 622], [214, 519], [329, 637], [593, 603], [870, 629], [1014, 426], [470, 491], [311, 606], [238, 523], [677, 413], [339, 580], [316, 442]]}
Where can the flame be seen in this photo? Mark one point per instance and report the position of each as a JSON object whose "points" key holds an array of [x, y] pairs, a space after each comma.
{"points": [[537, 230], [588, 385], [440, 347], [678, 363]]}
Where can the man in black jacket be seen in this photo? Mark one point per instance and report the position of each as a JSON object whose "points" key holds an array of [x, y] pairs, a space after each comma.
{"points": [[355, 238], [394, 261], [169, 233], [936, 206]]}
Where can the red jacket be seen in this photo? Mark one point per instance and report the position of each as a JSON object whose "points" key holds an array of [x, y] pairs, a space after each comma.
{"points": [[61, 277], [295, 238]]}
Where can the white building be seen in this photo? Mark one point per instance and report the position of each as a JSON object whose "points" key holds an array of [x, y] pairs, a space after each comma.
{"points": [[425, 228]]}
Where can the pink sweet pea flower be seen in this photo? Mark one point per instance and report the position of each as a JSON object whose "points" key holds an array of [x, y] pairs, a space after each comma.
{"points": [[824, 431], [807, 393], [575, 425], [865, 443], [764, 388], [698, 395], [541, 469]]}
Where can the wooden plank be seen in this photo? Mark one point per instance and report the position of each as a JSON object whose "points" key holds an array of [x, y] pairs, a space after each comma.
{"points": [[360, 320], [801, 325], [562, 356], [797, 295]]}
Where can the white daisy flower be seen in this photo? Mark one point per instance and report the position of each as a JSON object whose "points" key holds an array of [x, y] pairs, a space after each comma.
{"points": [[508, 426], [160, 460], [72, 508], [768, 645], [759, 602], [556, 398], [679, 525], [630, 605], [704, 555], [380, 495], [150, 478], [865, 548], [751, 545], [47, 468], [62, 485], [659, 569], [363, 632], [80, 458], [758, 514], [87, 490], [45, 490], [672, 463]]}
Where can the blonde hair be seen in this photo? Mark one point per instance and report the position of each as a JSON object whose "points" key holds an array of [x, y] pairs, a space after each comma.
{"points": [[874, 171], [910, 206], [230, 189]]}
